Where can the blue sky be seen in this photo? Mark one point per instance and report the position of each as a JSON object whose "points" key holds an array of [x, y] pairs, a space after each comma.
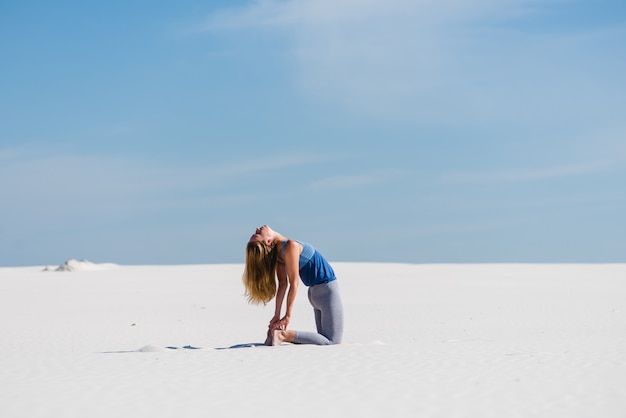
{"points": [[143, 132]]}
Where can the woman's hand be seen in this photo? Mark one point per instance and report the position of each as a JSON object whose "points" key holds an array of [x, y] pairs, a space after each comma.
{"points": [[273, 321], [281, 324]]}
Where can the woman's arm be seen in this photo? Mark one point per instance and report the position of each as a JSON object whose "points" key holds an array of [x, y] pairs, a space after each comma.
{"points": [[281, 274], [292, 256]]}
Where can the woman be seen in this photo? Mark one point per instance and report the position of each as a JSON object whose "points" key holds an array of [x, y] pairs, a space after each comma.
{"points": [[269, 255]]}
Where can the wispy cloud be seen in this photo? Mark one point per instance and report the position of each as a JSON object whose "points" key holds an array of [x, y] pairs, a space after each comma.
{"points": [[424, 60], [357, 180], [448, 228], [281, 13], [505, 176], [266, 163], [42, 181]]}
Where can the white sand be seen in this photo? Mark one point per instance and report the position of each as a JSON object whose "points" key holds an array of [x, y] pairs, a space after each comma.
{"points": [[420, 341]]}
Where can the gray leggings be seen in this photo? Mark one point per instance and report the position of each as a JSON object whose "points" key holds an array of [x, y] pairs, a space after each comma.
{"points": [[328, 311]]}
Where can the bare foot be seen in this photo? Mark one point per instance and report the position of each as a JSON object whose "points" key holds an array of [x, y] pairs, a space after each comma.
{"points": [[280, 336], [277, 337]]}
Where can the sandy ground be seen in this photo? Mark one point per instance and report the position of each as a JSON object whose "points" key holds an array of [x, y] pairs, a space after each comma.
{"points": [[500, 340]]}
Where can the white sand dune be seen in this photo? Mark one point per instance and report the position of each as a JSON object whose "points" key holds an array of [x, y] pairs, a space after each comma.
{"points": [[80, 265], [421, 341]]}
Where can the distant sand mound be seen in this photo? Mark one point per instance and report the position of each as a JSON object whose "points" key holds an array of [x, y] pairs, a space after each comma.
{"points": [[80, 265]]}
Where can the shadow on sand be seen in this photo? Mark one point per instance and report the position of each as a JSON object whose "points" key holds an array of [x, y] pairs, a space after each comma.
{"points": [[151, 348], [246, 345]]}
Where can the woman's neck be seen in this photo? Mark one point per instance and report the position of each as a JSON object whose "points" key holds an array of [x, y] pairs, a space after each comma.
{"points": [[278, 238]]}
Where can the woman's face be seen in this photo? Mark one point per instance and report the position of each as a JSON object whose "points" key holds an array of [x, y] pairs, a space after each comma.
{"points": [[262, 234]]}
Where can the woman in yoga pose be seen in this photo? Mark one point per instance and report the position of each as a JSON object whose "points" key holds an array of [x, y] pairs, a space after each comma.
{"points": [[272, 258]]}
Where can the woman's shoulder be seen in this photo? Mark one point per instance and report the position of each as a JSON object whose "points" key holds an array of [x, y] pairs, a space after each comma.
{"points": [[290, 248], [292, 244]]}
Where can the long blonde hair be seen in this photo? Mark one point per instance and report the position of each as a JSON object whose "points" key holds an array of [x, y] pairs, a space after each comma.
{"points": [[259, 276]]}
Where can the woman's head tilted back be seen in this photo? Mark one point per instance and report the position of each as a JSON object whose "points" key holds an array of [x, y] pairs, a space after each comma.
{"points": [[259, 276]]}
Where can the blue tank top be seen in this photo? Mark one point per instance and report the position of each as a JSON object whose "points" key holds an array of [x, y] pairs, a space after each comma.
{"points": [[314, 269]]}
